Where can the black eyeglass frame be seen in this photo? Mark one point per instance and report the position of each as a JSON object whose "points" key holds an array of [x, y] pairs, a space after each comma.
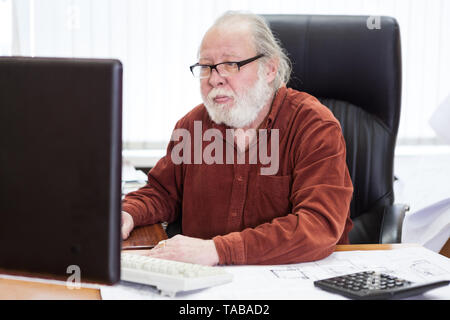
{"points": [[214, 66]]}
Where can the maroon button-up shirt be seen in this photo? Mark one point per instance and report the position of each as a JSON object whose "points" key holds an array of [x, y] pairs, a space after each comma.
{"points": [[297, 211]]}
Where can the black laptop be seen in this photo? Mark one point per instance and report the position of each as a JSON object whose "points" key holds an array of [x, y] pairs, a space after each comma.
{"points": [[60, 168]]}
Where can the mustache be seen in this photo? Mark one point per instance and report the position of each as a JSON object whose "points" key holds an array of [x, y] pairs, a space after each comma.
{"points": [[220, 92]]}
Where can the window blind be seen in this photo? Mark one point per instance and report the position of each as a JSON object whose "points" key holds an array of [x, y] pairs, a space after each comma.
{"points": [[157, 40]]}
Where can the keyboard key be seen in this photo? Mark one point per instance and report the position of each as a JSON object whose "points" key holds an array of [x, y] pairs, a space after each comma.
{"points": [[170, 276]]}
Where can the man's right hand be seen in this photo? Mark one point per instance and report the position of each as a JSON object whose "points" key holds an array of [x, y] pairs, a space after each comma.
{"points": [[127, 224]]}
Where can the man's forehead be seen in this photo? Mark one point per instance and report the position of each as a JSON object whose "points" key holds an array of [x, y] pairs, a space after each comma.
{"points": [[226, 44], [225, 55]]}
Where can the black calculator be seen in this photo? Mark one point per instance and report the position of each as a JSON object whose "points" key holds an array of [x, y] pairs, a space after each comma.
{"points": [[375, 285]]}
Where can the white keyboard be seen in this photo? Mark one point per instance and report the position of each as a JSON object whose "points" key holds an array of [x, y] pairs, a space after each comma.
{"points": [[169, 276]]}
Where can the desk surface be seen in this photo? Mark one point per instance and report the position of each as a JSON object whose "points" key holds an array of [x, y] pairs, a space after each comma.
{"points": [[30, 290]]}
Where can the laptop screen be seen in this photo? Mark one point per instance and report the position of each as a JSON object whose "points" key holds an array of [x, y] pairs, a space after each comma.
{"points": [[60, 167]]}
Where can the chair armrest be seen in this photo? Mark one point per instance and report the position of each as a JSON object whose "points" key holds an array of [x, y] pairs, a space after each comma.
{"points": [[391, 226]]}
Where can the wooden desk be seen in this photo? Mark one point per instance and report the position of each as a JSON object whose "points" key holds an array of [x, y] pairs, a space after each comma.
{"points": [[31, 290], [28, 290], [144, 236]]}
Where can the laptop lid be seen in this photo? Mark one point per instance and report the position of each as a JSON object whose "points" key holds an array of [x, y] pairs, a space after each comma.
{"points": [[60, 167]]}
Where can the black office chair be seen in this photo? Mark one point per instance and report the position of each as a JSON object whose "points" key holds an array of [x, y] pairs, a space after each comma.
{"points": [[356, 72]]}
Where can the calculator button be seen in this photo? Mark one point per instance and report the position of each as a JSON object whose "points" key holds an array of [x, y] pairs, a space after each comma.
{"points": [[371, 284]]}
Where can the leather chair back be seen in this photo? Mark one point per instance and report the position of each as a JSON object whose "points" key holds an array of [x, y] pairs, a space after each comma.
{"points": [[356, 72]]}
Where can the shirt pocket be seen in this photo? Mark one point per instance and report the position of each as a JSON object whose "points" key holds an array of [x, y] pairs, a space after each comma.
{"points": [[268, 198]]}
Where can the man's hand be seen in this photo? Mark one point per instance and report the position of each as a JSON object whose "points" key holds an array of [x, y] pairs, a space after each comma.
{"points": [[127, 224], [187, 249]]}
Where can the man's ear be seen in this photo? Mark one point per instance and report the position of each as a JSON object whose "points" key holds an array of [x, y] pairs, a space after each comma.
{"points": [[271, 69]]}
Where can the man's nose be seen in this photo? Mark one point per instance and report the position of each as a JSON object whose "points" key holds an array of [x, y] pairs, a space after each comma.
{"points": [[215, 79]]}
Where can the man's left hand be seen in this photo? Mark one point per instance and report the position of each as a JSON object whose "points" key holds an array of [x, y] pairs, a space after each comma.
{"points": [[187, 249]]}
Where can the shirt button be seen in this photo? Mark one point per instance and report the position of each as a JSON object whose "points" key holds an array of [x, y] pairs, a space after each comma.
{"points": [[234, 214], [239, 178]]}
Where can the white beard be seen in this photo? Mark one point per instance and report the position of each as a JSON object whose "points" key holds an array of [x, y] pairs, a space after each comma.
{"points": [[246, 105]]}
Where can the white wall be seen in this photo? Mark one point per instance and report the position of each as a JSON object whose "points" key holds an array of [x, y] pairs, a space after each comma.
{"points": [[157, 40], [5, 27]]}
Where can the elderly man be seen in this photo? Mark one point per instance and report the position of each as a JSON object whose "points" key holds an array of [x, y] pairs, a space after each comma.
{"points": [[233, 212]]}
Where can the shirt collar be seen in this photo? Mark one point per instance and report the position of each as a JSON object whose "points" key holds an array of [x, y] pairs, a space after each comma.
{"points": [[277, 102]]}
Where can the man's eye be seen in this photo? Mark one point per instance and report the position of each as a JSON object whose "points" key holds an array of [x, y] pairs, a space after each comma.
{"points": [[204, 70], [230, 66]]}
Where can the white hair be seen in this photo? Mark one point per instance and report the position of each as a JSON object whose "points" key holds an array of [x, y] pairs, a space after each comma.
{"points": [[263, 39]]}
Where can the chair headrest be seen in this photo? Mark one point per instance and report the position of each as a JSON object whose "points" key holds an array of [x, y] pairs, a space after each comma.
{"points": [[345, 58]]}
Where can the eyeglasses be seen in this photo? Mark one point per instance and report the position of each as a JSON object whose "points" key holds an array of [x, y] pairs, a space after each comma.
{"points": [[224, 69]]}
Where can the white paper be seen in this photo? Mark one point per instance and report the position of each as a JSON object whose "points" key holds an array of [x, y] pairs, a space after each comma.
{"points": [[132, 179], [429, 227], [295, 281], [130, 174]]}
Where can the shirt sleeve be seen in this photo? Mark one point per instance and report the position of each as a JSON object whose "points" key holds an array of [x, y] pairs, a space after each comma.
{"points": [[320, 196], [160, 199]]}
